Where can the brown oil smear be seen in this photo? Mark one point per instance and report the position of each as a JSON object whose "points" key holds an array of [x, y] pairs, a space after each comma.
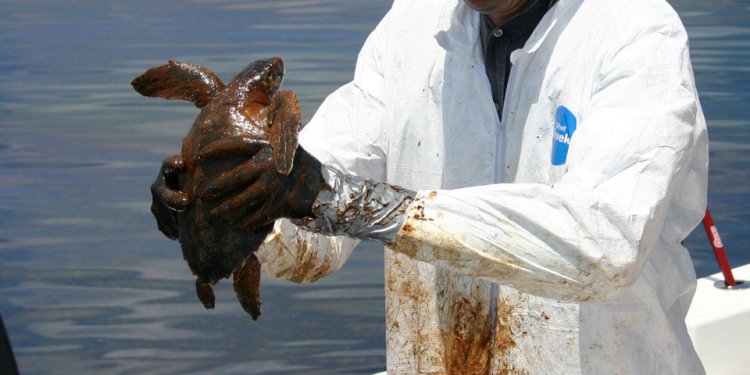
{"points": [[466, 322]]}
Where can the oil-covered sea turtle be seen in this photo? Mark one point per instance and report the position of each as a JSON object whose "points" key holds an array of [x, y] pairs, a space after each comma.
{"points": [[234, 119]]}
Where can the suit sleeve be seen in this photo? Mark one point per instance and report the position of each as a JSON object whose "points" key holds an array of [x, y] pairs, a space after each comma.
{"points": [[588, 236]]}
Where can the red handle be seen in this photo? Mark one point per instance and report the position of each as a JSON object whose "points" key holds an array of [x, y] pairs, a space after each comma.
{"points": [[721, 255]]}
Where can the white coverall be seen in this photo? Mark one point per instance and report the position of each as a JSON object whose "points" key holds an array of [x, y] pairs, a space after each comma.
{"points": [[506, 263]]}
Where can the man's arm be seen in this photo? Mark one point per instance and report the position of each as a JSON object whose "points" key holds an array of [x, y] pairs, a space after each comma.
{"points": [[346, 132], [588, 236]]}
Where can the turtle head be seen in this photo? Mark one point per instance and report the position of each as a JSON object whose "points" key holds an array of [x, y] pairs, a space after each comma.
{"points": [[260, 79]]}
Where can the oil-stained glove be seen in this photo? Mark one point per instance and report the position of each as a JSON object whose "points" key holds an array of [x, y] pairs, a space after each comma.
{"points": [[253, 194], [319, 198], [167, 199], [356, 207]]}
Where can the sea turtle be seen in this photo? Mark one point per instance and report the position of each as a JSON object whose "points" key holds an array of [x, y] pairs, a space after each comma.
{"points": [[234, 119]]}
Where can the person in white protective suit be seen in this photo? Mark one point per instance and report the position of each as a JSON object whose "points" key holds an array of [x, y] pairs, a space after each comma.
{"points": [[547, 241]]}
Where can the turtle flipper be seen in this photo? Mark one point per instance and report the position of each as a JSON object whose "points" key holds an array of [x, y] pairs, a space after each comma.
{"points": [[205, 294], [284, 130], [177, 80], [247, 285]]}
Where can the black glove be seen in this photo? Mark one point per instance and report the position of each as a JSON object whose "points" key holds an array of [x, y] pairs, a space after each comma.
{"points": [[167, 199], [253, 194]]}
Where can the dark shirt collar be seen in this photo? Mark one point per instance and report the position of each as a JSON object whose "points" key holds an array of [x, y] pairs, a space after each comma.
{"points": [[499, 41], [520, 25]]}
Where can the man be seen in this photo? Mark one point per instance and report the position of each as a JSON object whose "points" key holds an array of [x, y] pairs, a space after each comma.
{"points": [[532, 219]]}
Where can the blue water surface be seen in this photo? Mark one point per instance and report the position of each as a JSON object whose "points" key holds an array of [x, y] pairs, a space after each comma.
{"points": [[87, 284]]}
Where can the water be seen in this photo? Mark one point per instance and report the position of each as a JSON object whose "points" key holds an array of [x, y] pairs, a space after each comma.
{"points": [[88, 286], [720, 49]]}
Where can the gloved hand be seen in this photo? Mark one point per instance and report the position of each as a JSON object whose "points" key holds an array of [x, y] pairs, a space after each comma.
{"points": [[167, 199], [253, 194]]}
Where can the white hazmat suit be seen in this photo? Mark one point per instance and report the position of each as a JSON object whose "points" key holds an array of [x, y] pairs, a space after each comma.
{"points": [[545, 242]]}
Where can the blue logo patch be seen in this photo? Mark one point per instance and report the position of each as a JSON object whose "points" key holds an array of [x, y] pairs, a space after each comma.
{"points": [[565, 126]]}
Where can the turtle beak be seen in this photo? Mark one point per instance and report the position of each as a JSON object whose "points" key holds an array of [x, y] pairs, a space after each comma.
{"points": [[275, 70], [273, 74]]}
